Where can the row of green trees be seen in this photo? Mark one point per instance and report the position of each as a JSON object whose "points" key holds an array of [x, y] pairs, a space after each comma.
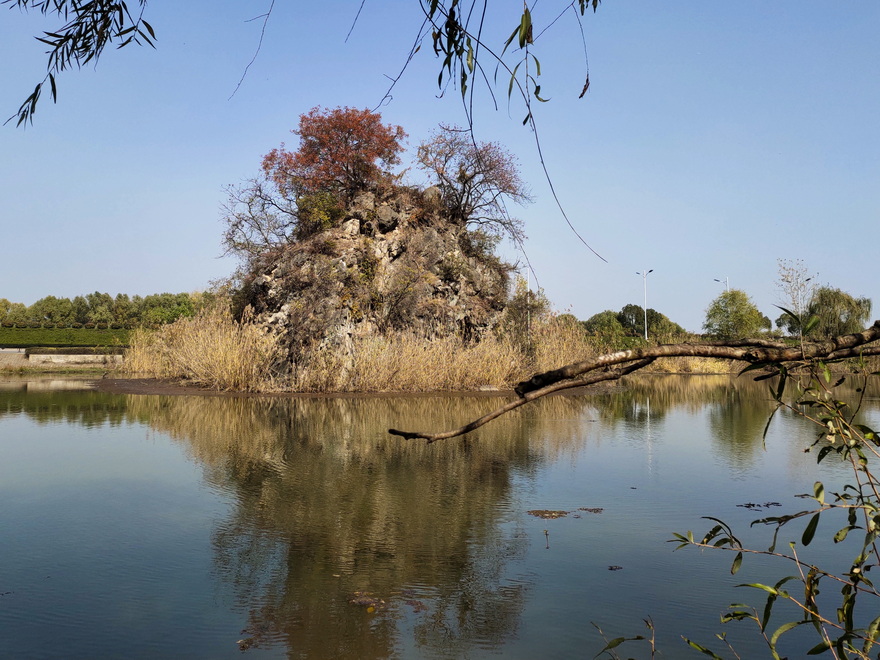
{"points": [[624, 328], [828, 312], [815, 312], [103, 309]]}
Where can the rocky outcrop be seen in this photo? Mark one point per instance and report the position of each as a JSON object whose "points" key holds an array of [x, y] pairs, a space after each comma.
{"points": [[391, 264]]}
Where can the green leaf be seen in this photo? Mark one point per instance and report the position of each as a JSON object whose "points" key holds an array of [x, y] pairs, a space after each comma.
{"points": [[810, 531], [841, 534], [512, 80], [736, 615], [613, 644], [812, 323], [702, 649], [737, 562], [510, 39], [780, 389], [763, 587], [819, 492], [753, 366], [819, 649], [871, 634], [781, 630], [525, 28]]}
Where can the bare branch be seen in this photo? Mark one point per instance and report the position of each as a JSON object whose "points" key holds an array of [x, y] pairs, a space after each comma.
{"points": [[614, 365]]}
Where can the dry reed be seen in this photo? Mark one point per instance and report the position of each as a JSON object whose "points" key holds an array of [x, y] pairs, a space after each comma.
{"points": [[214, 350], [210, 349], [407, 363]]}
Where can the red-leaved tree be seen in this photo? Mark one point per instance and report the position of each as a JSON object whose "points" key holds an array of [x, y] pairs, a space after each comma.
{"points": [[342, 151]]}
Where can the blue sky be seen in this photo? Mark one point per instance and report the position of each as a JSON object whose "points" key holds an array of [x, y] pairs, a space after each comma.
{"points": [[715, 139]]}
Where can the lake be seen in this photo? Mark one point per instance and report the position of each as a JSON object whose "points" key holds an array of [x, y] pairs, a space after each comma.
{"points": [[141, 526]]}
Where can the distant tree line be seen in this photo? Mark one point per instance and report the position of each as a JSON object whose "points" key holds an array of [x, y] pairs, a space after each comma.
{"points": [[103, 310], [808, 309], [625, 328]]}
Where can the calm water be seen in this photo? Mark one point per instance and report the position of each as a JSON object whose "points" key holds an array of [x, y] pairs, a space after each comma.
{"points": [[186, 527]]}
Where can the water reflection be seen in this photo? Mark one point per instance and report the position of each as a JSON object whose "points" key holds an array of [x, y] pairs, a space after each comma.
{"points": [[326, 508], [329, 506], [55, 403]]}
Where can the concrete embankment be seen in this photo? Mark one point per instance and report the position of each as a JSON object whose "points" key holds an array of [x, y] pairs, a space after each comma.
{"points": [[10, 359]]}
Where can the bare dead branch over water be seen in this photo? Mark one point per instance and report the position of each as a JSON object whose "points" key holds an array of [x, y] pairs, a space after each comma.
{"points": [[614, 365]]}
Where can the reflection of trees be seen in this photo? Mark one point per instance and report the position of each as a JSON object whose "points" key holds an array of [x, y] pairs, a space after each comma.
{"points": [[82, 407], [327, 504], [738, 407], [738, 420], [630, 403]]}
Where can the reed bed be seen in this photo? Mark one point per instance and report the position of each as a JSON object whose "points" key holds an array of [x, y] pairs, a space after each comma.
{"points": [[209, 349], [407, 363], [213, 350]]}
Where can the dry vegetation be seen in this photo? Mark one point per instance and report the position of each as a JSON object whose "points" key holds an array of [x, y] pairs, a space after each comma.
{"points": [[210, 349], [214, 350]]}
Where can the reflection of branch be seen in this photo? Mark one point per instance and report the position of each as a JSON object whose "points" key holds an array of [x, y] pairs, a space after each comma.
{"points": [[615, 365], [591, 379]]}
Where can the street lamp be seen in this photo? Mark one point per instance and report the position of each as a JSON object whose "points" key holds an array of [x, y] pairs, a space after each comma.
{"points": [[726, 283], [644, 275]]}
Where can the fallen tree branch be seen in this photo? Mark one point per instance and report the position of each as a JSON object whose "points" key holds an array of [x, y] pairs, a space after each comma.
{"points": [[614, 365]]}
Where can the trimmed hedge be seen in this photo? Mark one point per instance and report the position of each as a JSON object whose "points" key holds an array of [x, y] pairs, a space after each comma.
{"points": [[76, 350], [29, 337]]}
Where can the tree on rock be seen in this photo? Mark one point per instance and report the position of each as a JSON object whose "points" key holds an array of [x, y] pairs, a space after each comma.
{"points": [[342, 151], [733, 315], [476, 179]]}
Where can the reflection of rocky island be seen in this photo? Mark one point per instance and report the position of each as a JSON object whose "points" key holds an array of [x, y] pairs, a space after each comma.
{"points": [[330, 510], [342, 540]]}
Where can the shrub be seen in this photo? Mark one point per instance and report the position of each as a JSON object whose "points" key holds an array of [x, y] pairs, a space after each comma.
{"points": [[317, 212]]}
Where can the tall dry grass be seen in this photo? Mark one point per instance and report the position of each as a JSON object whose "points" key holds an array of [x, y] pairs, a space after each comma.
{"points": [[214, 350], [408, 363], [210, 349]]}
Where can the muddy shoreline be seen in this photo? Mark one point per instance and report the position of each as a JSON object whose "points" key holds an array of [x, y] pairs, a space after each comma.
{"points": [[154, 386]]}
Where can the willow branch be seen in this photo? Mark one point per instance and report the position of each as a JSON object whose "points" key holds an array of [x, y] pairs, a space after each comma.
{"points": [[614, 365]]}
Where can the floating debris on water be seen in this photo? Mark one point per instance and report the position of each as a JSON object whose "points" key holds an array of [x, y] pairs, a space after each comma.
{"points": [[547, 514], [367, 600], [753, 505]]}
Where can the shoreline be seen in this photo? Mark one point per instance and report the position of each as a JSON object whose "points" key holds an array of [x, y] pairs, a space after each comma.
{"points": [[159, 387]]}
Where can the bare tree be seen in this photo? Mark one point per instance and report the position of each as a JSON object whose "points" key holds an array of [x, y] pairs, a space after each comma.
{"points": [[257, 219], [477, 180], [796, 286]]}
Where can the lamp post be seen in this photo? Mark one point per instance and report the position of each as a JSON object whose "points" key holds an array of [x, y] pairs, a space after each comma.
{"points": [[644, 275], [726, 283]]}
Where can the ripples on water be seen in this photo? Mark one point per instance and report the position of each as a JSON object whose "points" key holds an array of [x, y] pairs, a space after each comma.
{"points": [[148, 526]]}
